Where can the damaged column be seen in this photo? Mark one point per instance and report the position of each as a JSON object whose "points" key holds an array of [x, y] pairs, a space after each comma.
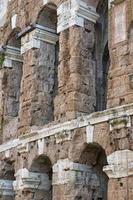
{"points": [[38, 81], [76, 71], [120, 80], [11, 73], [30, 185]]}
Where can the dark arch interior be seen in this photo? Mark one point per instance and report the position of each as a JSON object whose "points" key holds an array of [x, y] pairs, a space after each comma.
{"points": [[42, 165], [105, 64], [7, 173], [48, 17], [102, 55], [7, 170], [13, 40], [94, 156]]}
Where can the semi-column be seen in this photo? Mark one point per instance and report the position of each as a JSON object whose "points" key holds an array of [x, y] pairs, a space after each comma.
{"points": [[120, 93], [76, 70], [11, 73], [120, 79], [37, 87]]}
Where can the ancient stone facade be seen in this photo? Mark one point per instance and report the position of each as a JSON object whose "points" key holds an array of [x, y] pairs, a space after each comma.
{"points": [[66, 100]]}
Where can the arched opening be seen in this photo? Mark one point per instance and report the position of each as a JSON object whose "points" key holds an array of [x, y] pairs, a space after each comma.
{"points": [[94, 186], [47, 17], [102, 56], [105, 64], [11, 82], [46, 66], [42, 168], [7, 173], [12, 39]]}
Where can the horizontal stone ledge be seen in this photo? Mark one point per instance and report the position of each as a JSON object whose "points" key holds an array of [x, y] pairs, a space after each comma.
{"points": [[112, 113], [66, 127]]}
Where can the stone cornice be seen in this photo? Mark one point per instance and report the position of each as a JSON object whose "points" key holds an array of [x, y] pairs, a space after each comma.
{"points": [[74, 12], [29, 180], [32, 39], [62, 131], [12, 54]]}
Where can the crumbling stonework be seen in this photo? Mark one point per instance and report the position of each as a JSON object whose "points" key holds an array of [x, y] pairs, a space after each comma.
{"points": [[66, 100]]}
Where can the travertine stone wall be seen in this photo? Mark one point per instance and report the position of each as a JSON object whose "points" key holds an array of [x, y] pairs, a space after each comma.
{"points": [[11, 93], [120, 75], [53, 144], [76, 73], [37, 87], [120, 86]]}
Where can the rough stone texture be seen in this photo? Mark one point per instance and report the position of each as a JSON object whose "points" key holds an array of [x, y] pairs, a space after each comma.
{"points": [[37, 87], [76, 84], [48, 124]]}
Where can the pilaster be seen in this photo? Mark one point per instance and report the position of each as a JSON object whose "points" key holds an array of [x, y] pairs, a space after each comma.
{"points": [[76, 71], [38, 47], [120, 173]]}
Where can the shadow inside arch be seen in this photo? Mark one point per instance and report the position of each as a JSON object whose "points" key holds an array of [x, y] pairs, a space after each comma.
{"points": [[95, 185]]}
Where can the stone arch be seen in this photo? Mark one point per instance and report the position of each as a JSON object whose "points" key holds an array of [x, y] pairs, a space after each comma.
{"points": [[94, 180], [47, 16], [41, 167], [11, 82], [12, 38], [7, 176], [51, 3], [100, 47]]}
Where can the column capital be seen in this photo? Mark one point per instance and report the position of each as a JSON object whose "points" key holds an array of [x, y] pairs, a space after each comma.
{"points": [[120, 164], [74, 12], [6, 188], [30, 180], [32, 39], [11, 54]]}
